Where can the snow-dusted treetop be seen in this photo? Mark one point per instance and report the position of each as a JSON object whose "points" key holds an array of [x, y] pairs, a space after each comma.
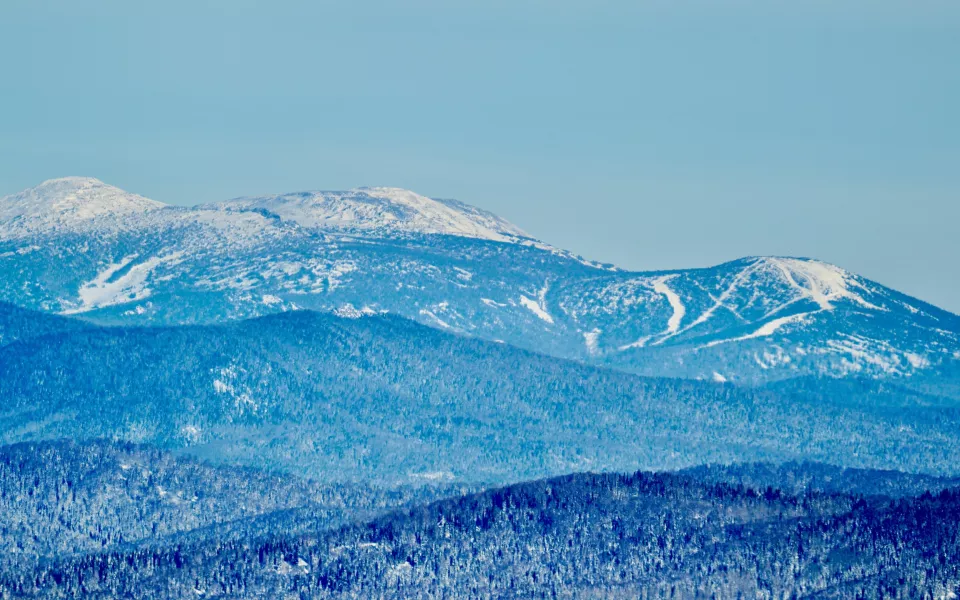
{"points": [[384, 209], [68, 202]]}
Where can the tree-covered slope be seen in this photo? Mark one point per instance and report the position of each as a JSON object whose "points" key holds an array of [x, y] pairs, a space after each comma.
{"points": [[18, 324], [611, 536], [803, 477], [388, 400], [63, 497]]}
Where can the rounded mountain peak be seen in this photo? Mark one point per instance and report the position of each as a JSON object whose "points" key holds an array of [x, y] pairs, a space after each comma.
{"points": [[384, 209], [68, 201]]}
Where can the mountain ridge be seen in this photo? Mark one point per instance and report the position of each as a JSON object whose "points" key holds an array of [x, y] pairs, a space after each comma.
{"points": [[386, 397], [388, 209], [750, 320], [630, 535], [69, 202]]}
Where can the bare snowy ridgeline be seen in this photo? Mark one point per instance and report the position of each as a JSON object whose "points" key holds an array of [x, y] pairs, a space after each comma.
{"points": [[79, 246], [382, 209]]}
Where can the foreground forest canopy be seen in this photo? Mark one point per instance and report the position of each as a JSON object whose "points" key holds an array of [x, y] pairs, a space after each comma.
{"points": [[800, 530]]}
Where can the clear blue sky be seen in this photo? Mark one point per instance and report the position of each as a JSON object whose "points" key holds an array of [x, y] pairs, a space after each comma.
{"points": [[652, 134]]}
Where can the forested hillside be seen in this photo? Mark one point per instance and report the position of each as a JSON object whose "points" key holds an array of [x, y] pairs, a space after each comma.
{"points": [[62, 498], [802, 477], [18, 323], [385, 399], [641, 535]]}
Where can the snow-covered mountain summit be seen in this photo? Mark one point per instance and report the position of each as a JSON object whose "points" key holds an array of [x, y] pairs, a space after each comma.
{"points": [[67, 203], [443, 263], [384, 210]]}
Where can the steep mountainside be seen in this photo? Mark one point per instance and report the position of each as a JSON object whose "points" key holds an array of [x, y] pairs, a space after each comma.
{"points": [[385, 399], [78, 246], [603, 536]]}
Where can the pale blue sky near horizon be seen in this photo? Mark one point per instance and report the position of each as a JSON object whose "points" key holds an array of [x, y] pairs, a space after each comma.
{"points": [[651, 134]]}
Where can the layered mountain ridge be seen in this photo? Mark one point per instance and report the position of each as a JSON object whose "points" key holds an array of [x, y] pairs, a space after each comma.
{"points": [[310, 395], [386, 399], [631, 535], [78, 246]]}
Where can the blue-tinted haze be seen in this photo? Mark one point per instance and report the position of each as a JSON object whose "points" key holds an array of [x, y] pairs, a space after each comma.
{"points": [[651, 134]]}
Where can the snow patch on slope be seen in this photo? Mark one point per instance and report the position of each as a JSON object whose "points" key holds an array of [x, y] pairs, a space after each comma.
{"points": [[538, 306], [349, 311], [433, 317], [108, 288], [866, 354], [640, 343], [821, 282], [536, 309], [591, 340], [679, 310], [767, 329], [721, 301]]}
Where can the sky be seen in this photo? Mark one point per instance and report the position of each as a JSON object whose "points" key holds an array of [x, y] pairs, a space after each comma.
{"points": [[650, 134]]}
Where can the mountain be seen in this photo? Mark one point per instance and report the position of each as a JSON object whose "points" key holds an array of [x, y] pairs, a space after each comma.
{"points": [[302, 396], [382, 211], [63, 498], [78, 246], [643, 535], [70, 204], [384, 399]]}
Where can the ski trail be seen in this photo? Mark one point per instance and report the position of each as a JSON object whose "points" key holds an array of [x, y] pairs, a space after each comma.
{"points": [[679, 310]]}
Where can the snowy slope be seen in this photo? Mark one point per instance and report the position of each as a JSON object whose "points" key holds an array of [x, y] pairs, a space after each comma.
{"points": [[771, 317], [382, 210], [78, 246], [69, 203]]}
